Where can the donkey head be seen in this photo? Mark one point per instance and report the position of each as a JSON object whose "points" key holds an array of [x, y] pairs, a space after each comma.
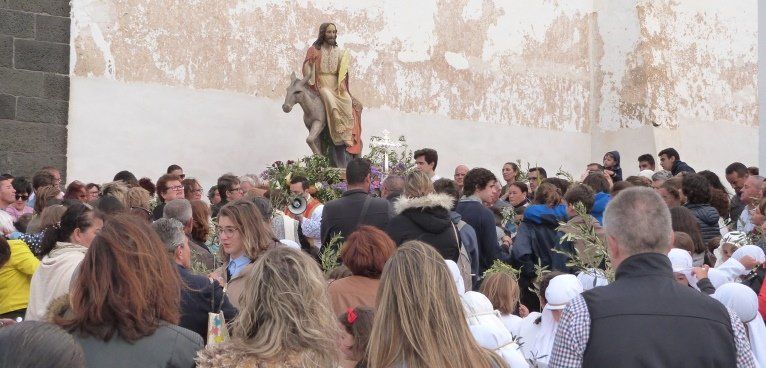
{"points": [[295, 91]]}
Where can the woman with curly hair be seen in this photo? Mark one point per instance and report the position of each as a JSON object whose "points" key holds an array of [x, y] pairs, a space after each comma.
{"points": [[285, 319]]}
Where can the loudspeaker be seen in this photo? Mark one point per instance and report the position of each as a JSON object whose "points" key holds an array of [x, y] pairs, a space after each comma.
{"points": [[296, 204]]}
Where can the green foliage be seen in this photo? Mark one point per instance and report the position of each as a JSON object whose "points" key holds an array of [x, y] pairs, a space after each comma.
{"points": [[329, 258], [499, 266], [566, 175], [316, 168], [594, 253], [540, 271], [509, 215]]}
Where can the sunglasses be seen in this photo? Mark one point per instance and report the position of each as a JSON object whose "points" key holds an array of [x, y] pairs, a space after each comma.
{"points": [[23, 197]]}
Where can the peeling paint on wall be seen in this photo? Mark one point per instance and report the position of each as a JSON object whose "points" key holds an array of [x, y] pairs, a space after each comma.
{"points": [[570, 65], [441, 57], [691, 60]]}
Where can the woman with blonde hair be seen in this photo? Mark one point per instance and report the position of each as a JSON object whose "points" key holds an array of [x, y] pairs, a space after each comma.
{"points": [[424, 215], [502, 289], [244, 236], [285, 319], [139, 203], [417, 326]]}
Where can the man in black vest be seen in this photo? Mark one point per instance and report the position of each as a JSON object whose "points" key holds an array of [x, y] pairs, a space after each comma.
{"points": [[645, 318]]}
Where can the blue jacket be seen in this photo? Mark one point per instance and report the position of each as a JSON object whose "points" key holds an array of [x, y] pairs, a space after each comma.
{"points": [[599, 206], [680, 166]]}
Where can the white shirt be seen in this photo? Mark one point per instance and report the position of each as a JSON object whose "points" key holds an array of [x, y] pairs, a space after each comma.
{"points": [[312, 226], [744, 224], [6, 221]]}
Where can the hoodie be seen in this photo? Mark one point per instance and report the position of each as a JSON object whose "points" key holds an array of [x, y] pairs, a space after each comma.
{"points": [[426, 219], [616, 168], [707, 217], [599, 206], [52, 278]]}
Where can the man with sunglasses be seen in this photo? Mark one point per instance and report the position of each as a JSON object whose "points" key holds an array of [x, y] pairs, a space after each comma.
{"points": [[177, 171], [7, 197], [20, 207]]}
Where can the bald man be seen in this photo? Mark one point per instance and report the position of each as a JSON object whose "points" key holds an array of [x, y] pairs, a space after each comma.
{"points": [[460, 172]]}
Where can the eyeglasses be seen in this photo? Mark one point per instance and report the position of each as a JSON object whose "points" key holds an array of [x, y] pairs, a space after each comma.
{"points": [[237, 189], [196, 190], [177, 188], [228, 231], [22, 197]]}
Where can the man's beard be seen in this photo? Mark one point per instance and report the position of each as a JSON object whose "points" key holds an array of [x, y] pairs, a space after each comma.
{"points": [[330, 41]]}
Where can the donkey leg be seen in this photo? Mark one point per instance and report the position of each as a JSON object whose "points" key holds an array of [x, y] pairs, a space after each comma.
{"points": [[314, 138]]}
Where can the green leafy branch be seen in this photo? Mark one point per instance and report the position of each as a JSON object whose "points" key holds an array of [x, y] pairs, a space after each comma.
{"points": [[329, 258], [499, 266], [594, 253]]}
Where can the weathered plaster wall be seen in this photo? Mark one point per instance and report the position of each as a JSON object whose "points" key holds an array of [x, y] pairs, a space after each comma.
{"points": [[519, 76]]}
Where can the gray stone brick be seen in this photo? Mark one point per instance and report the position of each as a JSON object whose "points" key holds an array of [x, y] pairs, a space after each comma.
{"points": [[6, 51], [41, 110], [56, 86], [7, 107], [60, 8], [52, 29], [34, 137], [41, 56], [17, 24], [21, 82], [26, 164]]}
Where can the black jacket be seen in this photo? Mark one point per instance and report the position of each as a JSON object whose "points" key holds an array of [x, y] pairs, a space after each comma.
{"points": [[647, 319], [680, 166], [483, 222], [342, 215], [196, 302], [426, 219], [707, 217]]}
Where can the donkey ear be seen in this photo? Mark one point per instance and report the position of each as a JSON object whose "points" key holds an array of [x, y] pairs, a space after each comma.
{"points": [[293, 77]]}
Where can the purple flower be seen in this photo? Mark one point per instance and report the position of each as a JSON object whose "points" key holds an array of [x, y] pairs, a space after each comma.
{"points": [[342, 186]]}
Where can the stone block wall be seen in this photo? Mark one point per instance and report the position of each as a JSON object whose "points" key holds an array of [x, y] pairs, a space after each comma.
{"points": [[34, 84]]}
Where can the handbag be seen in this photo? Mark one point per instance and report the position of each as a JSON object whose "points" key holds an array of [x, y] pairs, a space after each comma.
{"points": [[463, 262], [217, 331]]}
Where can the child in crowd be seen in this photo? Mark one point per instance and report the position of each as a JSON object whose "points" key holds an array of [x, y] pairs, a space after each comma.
{"points": [[357, 324]]}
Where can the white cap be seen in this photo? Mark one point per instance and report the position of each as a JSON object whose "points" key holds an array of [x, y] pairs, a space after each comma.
{"points": [[561, 290]]}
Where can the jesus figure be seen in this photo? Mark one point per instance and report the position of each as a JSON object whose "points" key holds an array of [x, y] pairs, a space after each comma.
{"points": [[328, 67]]}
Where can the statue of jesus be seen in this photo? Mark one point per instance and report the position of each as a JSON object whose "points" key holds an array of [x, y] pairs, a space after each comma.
{"points": [[327, 65]]}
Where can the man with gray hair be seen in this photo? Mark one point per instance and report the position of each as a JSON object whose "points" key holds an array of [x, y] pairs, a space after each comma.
{"points": [[660, 177], [198, 293], [612, 326], [392, 187], [750, 195], [181, 210]]}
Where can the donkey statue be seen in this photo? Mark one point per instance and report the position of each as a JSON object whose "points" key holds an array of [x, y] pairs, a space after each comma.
{"points": [[313, 111]]}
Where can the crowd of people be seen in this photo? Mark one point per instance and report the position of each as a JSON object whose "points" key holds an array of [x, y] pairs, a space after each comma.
{"points": [[663, 268]]}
